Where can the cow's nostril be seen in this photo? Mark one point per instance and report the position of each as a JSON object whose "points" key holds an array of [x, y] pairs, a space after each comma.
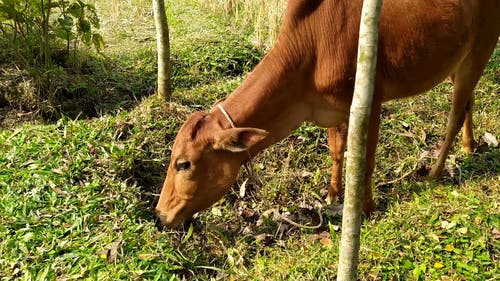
{"points": [[161, 215], [161, 220], [159, 224]]}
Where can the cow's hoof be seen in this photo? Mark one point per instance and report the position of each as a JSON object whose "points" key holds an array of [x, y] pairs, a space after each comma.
{"points": [[433, 175], [330, 199], [436, 172], [468, 147], [368, 207], [333, 197]]}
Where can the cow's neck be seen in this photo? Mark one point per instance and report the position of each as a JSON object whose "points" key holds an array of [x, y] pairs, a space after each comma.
{"points": [[270, 97], [289, 86]]}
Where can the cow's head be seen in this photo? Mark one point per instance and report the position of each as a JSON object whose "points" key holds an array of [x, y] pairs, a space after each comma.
{"points": [[204, 163]]}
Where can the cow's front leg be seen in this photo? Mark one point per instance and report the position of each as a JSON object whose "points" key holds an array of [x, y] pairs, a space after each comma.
{"points": [[372, 139], [337, 138], [337, 141]]}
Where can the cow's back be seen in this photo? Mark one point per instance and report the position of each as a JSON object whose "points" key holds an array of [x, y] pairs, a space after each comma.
{"points": [[421, 42]]}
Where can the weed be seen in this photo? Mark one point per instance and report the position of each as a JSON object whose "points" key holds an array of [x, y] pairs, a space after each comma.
{"points": [[261, 18]]}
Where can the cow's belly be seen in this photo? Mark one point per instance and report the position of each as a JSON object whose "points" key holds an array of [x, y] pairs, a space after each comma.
{"points": [[421, 77], [420, 50], [403, 89]]}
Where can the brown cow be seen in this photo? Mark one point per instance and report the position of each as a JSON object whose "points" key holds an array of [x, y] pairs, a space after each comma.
{"points": [[309, 75]]}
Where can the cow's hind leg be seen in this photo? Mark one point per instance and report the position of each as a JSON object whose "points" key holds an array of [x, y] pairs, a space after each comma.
{"points": [[468, 142], [464, 79], [337, 138]]}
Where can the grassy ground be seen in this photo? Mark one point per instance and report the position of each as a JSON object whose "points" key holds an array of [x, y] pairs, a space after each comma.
{"points": [[76, 196]]}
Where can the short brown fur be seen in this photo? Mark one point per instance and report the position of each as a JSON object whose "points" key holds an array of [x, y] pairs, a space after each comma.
{"points": [[309, 76]]}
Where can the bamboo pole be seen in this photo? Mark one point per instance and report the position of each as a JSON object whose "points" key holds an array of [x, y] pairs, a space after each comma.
{"points": [[163, 46], [357, 138]]}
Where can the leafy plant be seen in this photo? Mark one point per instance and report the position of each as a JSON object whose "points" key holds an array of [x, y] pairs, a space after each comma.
{"points": [[41, 51], [212, 59], [76, 22], [34, 27]]}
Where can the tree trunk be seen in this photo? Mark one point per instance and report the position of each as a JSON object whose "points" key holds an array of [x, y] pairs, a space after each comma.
{"points": [[163, 45], [46, 10], [356, 140]]}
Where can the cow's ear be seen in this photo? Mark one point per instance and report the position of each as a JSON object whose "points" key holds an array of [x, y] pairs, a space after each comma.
{"points": [[238, 139]]}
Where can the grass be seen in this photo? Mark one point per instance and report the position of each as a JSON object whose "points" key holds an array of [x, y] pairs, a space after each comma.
{"points": [[76, 195], [261, 18]]}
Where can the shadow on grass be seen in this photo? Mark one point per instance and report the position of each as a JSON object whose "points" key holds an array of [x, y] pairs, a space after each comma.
{"points": [[82, 86], [149, 176], [86, 85], [484, 163]]}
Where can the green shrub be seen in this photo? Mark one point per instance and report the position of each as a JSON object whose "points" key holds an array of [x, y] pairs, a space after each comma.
{"points": [[41, 51], [36, 29], [212, 59]]}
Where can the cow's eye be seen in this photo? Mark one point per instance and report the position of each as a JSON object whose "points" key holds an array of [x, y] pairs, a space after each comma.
{"points": [[182, 165]]}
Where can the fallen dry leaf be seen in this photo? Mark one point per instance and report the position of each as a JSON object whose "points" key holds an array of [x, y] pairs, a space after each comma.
{"points": [[478, 220], [58, 190], [265, 239], [266, 215], [449, 248], [305, 174], [247, 230], [58, 171], [438, 265], [281, 243], [434, 237], [425, 154], [490, 139], [463, 230], [496, 233], [111, 253], [448, 225], [326, 241], [214, 251], [147, 257], [248, 214], [243, 188], [323, 237]]}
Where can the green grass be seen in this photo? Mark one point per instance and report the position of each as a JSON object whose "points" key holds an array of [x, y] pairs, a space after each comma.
{"points": [[76, 196]]}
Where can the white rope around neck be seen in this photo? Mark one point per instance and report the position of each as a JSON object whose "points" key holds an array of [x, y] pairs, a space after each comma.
{"points": [[224, 112], [249, 165]]}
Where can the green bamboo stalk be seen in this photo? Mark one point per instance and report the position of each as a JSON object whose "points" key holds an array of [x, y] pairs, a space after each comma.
{"points": [[163, 45], [357, 140]]}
